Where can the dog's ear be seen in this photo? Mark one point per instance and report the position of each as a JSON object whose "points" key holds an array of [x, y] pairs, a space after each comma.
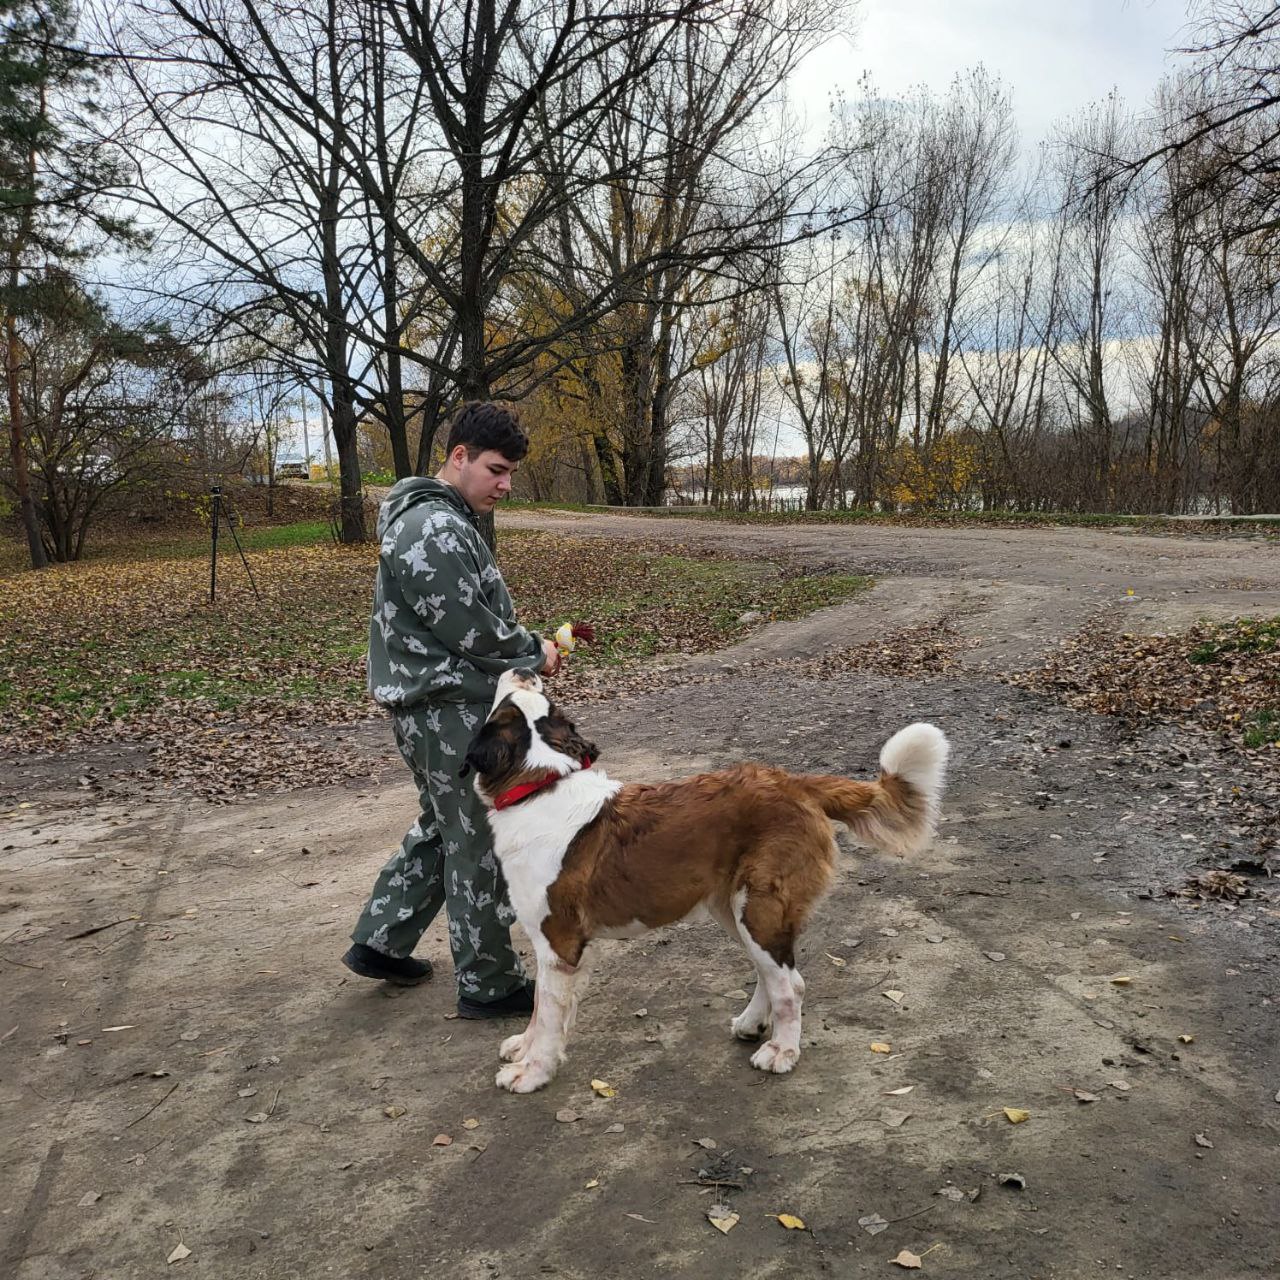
{"points": [[561, 734], [490, 752]]}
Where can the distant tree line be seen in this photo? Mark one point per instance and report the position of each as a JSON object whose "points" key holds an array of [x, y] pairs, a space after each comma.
{"points": [[604, 211]]}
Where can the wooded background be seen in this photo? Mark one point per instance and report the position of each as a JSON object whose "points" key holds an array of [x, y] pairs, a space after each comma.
{"points": [[606, 212]]}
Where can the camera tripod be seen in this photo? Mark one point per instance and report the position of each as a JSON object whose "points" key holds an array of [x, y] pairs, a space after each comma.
{"points": [[215, 491]]}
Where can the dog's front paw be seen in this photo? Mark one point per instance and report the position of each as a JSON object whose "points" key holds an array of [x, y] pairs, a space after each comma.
{"points": [[523, 1077], [771, 1056], [513, 1047]]}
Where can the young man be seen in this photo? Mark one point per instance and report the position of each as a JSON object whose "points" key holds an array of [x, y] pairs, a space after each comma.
{"points": [[443, 631]]}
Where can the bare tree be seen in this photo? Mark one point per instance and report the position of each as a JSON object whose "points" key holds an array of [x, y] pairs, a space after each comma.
{"points": [[1089, 308], [98, 399], [242, 119]]}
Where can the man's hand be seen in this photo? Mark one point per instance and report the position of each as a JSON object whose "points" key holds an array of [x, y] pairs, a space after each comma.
{"points": [[550, 658]]}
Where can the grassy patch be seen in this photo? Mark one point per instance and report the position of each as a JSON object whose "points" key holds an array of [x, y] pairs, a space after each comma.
{"points": [[650, 600], [195, 546], [1246, 635], [1262, 728], [132, 647]]}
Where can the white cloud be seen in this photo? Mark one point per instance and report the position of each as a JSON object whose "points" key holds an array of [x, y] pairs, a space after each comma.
{"points": [[1055, 58]]}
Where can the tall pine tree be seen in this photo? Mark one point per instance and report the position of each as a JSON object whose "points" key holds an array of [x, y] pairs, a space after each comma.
{"points": [[52, 183]]}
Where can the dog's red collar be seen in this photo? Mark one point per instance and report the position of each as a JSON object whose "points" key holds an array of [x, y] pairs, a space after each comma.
{"points": [[505, 799]]}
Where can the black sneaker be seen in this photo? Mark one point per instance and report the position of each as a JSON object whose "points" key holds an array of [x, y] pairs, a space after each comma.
{"points": [[368, 963], [518, 1003]]}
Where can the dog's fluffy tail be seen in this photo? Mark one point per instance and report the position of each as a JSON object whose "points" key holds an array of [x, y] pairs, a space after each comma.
{"points": [[897, 812]]}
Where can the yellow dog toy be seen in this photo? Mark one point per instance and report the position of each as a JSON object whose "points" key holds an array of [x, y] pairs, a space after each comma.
{"points": [[571, 634]]}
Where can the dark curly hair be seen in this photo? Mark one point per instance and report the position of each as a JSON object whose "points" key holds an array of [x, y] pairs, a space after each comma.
{"points": [[486, 424]]}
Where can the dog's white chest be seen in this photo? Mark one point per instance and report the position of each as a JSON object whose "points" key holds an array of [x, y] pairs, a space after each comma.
{"points": [[532, 838]]}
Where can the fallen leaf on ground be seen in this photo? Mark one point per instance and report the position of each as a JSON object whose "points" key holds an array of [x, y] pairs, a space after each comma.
{"points": [[895, 996], [394, 1111], [838, 961], [1187, 1039], [603, 1089], [642, 1013], [1083, 1095], [89, 1197], [180, 1251], [1016, 1115], [893, 1119], [708, 1144], [471, 1123], [873, 1224], [566, 1115], [638, 1218], [614, 1128], [722, 1218], [736, 994], [442, 1140], [950, 1193], [897, 1093], [258, 1117], [790, 1221], [906, 1259], [994, 955], [1123, 1085], [879, 1046], [189, 1035], [246, 1093], [1121, 981], [1202, 1141], [588, 1186], [129, 1026]]}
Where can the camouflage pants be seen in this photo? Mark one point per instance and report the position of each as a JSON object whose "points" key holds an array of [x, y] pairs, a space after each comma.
{"points": [[446, 859]]}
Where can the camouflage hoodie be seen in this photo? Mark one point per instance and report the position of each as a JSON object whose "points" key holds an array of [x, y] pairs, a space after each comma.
{"points": [[443, 626]]}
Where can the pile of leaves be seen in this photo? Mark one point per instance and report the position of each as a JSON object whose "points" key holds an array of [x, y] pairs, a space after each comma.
{"points": [[1219, 677], [247, 694], [930, 649]]}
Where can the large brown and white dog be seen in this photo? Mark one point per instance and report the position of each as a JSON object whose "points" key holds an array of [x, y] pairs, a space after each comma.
{"points": [[586, 857]]}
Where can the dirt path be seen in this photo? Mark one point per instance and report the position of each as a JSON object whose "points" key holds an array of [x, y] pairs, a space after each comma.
{"points": [[1018, 591], [223, 927]]}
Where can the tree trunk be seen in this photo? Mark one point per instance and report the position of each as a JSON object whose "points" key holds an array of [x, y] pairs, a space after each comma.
{"points": [[350, 492], [393, 409], [637, 440], [17, 436], [350, 489]]}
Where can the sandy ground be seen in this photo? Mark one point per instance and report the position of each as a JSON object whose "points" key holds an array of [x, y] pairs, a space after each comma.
{"points": [[202, 1072]]}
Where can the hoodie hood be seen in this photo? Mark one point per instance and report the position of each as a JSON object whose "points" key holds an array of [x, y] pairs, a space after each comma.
{"points": [[412, 490]]}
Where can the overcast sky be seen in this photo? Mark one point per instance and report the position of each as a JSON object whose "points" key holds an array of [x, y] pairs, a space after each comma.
{"points": [[1055, 57]]}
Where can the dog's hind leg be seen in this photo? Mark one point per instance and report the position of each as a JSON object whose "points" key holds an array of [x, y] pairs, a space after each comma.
{"points": [[753, 1022], [769, 942]]}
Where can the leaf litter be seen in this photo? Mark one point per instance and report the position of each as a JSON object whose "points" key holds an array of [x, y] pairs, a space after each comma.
{"points": [[264, 696]]}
